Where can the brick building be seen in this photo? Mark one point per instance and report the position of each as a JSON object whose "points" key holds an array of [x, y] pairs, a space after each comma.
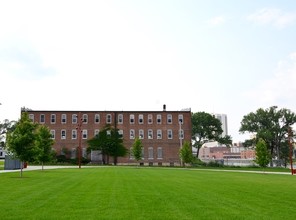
{"points": [[158, 131]]}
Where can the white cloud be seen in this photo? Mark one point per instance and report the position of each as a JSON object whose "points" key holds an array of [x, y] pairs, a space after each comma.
{"points": [[280, 89], [274, 17], [216, 21]]}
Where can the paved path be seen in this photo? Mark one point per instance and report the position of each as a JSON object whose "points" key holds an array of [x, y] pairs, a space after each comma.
{"points": [[29, 168]]}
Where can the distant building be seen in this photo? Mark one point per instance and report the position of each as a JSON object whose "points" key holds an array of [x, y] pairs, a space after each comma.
{"points": [[2, 153], [161, 132], [223, 119]]}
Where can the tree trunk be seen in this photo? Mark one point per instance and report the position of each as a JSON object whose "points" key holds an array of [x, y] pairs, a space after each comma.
{"points": [[42, 166]]}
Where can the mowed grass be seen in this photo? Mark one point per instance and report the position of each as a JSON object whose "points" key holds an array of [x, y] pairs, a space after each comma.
{"points": [[146, 193]]}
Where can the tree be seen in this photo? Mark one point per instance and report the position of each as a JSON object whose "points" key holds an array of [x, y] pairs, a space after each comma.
{"points": [[186, 153], [6, 126], [109, 142], [137, 149], [44, 142], [21, 141], [262, 153], [205, 127], [272, 126]]}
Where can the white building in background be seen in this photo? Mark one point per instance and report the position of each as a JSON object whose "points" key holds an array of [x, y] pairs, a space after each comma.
{"points": [[223, 119]]}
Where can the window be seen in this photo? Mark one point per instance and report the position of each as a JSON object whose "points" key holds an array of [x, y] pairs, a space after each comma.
{"points": [[141, 119], [120, 133], [120, 118], [108, 132], [52, 132], [150, 153], [150, 134], [52, 118], [63, 134], [109, 119], [84, 118], [159, 134], [96, 132], [74, 119], [42, 118], [31, 117], [169, 119], [64, 118], [74, 134], [150, 119], [132, 134], [158, 119], [159, 153], [143, 153], [132, 119], [181, 134], [141, 134], [170, 134], [84, 134], [180, 119], [97, 118]]}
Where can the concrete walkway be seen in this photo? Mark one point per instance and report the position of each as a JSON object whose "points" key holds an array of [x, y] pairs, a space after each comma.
{"points": [[29, 168]]}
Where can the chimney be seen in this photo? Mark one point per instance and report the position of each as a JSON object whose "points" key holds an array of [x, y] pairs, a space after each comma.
{"points": [[164, 108]]}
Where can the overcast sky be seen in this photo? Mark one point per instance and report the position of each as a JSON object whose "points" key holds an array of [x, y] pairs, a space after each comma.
{"points": [[230, 57]]}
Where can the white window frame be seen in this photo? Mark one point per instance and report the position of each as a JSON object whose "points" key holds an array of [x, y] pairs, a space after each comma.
{"points": [[150, 119], [159, 153], [74, 134], [141, 119], [180, 119], [150, 134], [159, 134], [97, 118], [85, 118], [158, 119], [84, 134], [108, 119], [74, 118], [63, 134], [64, 119], [52, 132], [170, 134], [141, 134], [120, 119], [132, 133], [132, 119], [31, 117], [96, 132], [150, 153], [53, 118], [169, 118], [42, 118], [181, 134]]}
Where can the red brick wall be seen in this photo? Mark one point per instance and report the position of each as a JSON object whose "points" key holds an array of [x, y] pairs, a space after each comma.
{"points": [[170, 147]]}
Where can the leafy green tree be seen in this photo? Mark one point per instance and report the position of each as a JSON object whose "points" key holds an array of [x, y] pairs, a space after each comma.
{"points": [[21, 141], [272, 126], [205, 127], [109, 142], [186, 153], [44, 142], [137, 149], [262, 153], [6, 126]]}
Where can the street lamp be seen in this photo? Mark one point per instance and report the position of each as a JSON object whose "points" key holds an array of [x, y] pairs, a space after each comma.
{"points": [[290, 134], [79, 131]]}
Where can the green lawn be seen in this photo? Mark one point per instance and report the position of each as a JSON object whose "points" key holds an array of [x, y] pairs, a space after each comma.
{"points": [[146, 193]]}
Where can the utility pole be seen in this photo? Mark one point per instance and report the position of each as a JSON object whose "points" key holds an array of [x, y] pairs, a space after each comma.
{"points": [[79, 131]]}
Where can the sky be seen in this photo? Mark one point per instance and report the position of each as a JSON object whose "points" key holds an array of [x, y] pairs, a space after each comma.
{"points": [[227, 57]]}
